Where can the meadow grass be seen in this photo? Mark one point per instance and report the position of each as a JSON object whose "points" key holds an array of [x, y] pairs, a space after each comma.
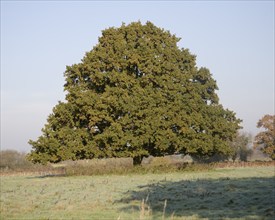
{"points": [[227, 193]]}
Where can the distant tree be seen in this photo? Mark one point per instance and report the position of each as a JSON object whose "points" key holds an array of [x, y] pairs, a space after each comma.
{"points": [[12, 159], [240, 146], [136, 94], [266, 139], [245, 152]]}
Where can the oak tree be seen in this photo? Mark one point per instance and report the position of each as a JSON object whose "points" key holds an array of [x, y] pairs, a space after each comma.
{"points": [[266, 138], [135, 94]]}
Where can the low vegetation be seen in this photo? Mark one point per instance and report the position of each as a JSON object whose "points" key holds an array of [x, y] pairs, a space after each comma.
{"points": [[15, 163]]}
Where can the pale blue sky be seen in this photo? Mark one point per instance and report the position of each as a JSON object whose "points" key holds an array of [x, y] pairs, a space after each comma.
{"points": [[234, 39]]}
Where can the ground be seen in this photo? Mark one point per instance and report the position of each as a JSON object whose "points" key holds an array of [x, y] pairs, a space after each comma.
{"points": [[222, 193]]}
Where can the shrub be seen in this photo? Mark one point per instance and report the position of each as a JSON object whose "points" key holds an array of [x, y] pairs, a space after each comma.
{"points": [[12, 160]]}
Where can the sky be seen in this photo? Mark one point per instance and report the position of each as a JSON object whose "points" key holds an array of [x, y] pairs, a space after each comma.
{"points": [[234, 39]]}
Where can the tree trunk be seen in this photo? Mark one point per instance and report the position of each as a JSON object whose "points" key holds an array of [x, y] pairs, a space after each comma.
{"points": [[137, 160]]}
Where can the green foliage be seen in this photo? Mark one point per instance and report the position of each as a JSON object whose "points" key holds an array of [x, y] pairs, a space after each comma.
{"points": [[266, 139], [136, 94]]}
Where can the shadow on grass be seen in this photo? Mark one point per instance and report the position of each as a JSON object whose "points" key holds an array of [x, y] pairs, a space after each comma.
{"points": [[46, 176], [207, 198]]}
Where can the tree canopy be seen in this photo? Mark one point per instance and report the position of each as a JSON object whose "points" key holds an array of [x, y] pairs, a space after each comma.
{"points": [[266, 138], [135, 94]]}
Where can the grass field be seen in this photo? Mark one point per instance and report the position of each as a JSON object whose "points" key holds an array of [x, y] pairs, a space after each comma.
{"points": [[228, 193]]}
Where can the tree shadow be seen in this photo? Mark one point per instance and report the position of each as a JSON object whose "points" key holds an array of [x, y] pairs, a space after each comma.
{"points": [[206, 198], [46, 176]]}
